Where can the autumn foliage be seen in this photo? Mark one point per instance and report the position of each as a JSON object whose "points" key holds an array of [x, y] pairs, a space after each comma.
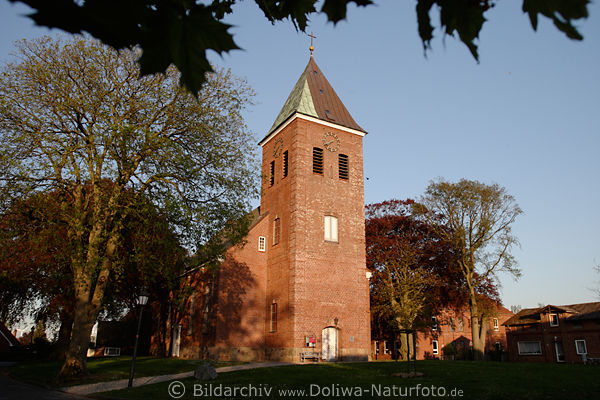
{"points": [[415, 274]]}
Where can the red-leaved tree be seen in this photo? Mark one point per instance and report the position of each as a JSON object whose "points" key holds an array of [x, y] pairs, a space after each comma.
{"points": [[414, 273]]}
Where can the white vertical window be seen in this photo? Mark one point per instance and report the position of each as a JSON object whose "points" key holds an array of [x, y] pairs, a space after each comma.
{"points": [[496, 324], [529, 348], [434, 344], [261, 243], [580, 346], [553, 319], [331, 228]]}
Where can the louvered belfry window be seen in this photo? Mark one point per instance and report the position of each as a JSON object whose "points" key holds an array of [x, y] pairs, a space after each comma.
{"points": [[285, 163], [272, 174], [343, 166], [317, 160]]}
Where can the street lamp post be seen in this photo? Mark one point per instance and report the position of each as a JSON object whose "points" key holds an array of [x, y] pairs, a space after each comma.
{"points": [[142, 300]]}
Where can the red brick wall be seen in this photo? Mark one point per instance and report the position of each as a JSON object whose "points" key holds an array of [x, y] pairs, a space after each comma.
{"points": [[240, 313], [276, 200], [235, 329]]}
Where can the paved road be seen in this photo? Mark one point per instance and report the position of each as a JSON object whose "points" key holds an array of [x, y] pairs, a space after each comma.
{"points": [[13, 390], [148, 380]]}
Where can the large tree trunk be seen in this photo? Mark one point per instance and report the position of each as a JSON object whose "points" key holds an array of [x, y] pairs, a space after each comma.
{"points": [[407, 348], [404, 346], [88, 299], [478, 329], [75, 358]]}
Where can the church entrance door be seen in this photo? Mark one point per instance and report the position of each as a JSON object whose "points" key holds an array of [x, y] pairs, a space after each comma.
{"points": [[329, 340]]}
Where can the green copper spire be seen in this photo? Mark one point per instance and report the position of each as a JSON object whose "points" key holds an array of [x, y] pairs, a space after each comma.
{"points": [[313, 96]]}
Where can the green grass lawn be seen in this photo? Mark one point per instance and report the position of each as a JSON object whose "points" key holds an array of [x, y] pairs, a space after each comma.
{"points": [[102, 369], [477, 380]]}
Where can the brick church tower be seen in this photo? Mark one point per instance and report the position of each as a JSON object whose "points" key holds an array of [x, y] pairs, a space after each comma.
{"points": [[314, 193], [300, 283]]}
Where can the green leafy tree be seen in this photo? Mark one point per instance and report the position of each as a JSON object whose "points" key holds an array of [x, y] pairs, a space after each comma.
{"points": [[477, 220], [76, 114], [180, 32], [35, 272]]}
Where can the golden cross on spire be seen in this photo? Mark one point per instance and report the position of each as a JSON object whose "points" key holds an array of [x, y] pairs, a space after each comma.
{"points": [[312, 48]]}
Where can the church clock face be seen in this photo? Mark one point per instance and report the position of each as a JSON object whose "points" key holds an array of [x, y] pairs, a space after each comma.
{"points": [[331, 141], [277, 147]]}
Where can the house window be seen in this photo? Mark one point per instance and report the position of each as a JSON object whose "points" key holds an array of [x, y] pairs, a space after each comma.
{"points": [[434, 344], [262, 243], [386, 349], [285, 163], [273, 317], [496, 325], [461, 326], [529, 348], [272, 174], [343, 166], [317, 160], [452, 325], [434, 323], [331, 228], [112, 351], [580, 346], [276, 230], [553, 319], [376, 347]]}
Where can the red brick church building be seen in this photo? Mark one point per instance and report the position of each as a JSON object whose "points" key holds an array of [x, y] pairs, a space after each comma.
{"points": [[300, 283]]}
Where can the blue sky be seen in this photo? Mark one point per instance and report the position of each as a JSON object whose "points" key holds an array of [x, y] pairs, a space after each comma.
{"points": [[526, 117]]}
